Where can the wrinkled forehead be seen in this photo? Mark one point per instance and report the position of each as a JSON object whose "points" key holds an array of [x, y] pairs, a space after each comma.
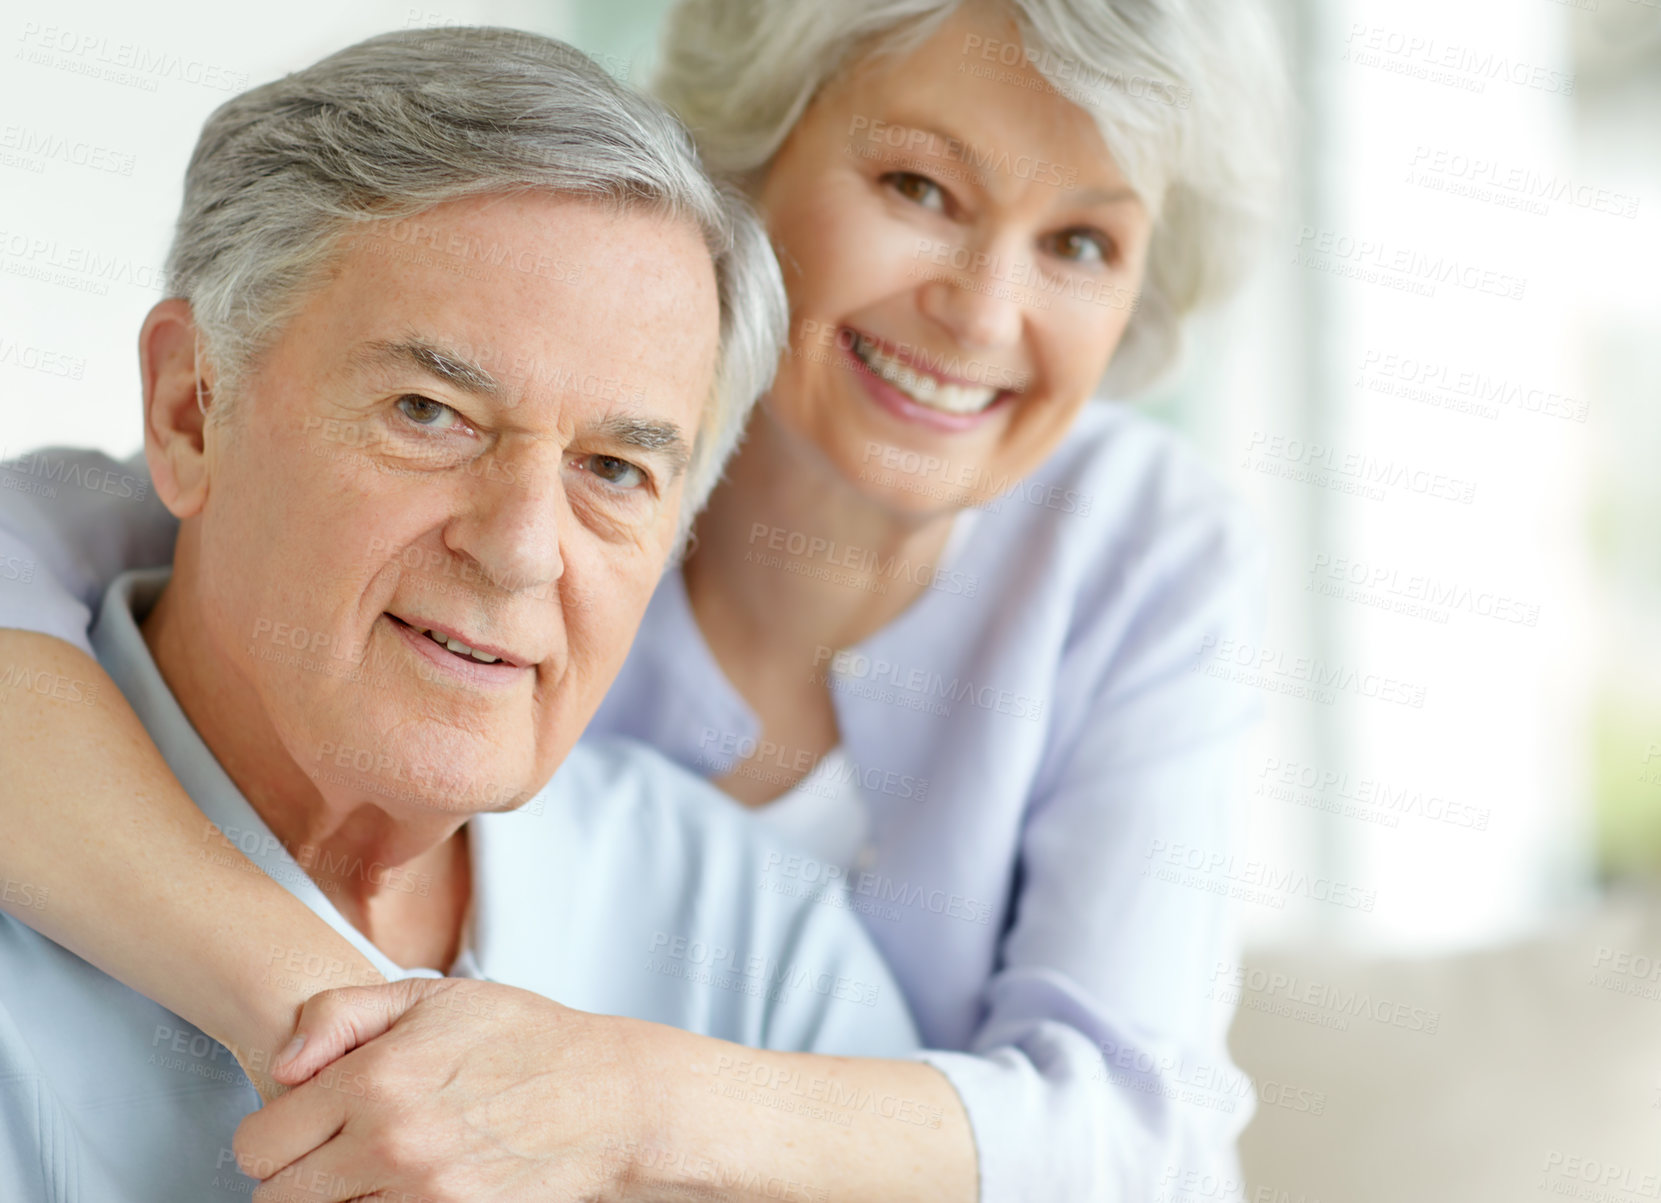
{"points": [[519, 302]]}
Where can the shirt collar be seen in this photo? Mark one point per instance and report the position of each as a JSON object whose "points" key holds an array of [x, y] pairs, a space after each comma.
{"points": [[121, 650]]}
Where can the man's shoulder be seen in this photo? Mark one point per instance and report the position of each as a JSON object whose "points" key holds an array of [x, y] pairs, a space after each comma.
{"points": [[625, 804], [618, 780], [687, 880]]}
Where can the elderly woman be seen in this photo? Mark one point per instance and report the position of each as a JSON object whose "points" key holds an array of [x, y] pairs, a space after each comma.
{"points": [[944, 624]]}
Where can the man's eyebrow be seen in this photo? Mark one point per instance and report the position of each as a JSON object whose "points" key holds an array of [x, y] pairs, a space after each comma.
{"points": [[435, 361], [650, 436]]}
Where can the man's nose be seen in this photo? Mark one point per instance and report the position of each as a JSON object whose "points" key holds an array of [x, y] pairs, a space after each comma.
{"points": [[510, 526]]}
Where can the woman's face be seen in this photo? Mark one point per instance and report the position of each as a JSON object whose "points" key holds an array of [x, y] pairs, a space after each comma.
{"points": [[962, 256]]}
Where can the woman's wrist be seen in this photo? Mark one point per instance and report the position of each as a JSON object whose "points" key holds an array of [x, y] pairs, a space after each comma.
{"points": [[261, 1006], [759, 1124]]}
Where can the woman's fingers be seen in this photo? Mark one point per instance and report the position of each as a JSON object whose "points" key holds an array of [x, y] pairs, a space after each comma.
{"points": [[334, 1022]]}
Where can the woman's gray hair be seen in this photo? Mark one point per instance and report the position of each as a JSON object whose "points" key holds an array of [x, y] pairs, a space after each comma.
{"points": [[405, 121], [1188, 94]]}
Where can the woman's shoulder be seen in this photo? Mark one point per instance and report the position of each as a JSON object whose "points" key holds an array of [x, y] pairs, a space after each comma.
{"points": [[1124, 487]]}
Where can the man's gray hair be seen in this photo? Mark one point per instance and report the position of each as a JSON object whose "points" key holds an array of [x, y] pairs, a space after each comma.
{"points": [[1189, 96], [405, 121]]}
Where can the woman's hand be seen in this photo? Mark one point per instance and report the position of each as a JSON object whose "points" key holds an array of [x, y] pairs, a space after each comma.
{"points": [[446, 1089]]}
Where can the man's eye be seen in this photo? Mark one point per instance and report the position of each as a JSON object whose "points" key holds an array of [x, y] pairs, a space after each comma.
{"points": [[618, 473], [918, 189], [1081, 245], [427, 413]]}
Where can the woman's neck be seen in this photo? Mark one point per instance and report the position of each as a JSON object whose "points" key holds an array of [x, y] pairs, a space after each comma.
{"points": [[791, 558]]}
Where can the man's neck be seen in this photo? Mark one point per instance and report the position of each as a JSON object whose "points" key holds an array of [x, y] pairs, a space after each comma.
{"points": [[404, 883]]}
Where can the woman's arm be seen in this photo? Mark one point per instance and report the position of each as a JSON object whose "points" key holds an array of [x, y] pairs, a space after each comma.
{"points": [[1100, 1068], [106, 855], [589, 1106]]}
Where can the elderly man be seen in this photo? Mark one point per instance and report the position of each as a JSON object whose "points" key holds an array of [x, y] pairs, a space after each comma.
{"points": [[461, 335]]}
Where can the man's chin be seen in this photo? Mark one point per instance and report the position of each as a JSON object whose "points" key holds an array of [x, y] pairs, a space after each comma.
{"points": [[409, 787]]}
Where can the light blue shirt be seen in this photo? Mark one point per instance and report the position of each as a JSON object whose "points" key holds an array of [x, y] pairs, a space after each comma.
{"points": [[1045, 740], [626, 887]]}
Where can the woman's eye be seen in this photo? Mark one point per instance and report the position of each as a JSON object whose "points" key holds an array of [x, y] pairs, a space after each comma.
{"points": [[1081, 246], [918, 189], [427, 413], [618, 473]]}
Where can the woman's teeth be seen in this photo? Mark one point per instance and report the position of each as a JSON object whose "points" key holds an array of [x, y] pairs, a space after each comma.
{"points": [[921, 387], [458, 647]]}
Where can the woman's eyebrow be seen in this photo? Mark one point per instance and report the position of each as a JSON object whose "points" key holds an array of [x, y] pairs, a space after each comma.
{"points": [[1106, 196]]}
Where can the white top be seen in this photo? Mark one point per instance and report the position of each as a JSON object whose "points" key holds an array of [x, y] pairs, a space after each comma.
{"points": [[824, 814], [106, 1096], [1045, 740]]}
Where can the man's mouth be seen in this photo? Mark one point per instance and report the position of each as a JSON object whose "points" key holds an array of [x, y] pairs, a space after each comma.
{"points": [[453, 645], [924, 387]]}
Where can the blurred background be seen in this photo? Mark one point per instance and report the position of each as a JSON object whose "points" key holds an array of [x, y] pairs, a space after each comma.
{"points": [[1440, 396]]}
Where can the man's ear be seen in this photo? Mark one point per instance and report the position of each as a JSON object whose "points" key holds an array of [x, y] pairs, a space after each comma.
{"points": [[174, 376]]}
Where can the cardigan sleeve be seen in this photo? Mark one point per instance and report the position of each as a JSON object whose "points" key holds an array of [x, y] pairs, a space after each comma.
{"points": [[71, 521], [1101, 1069]]}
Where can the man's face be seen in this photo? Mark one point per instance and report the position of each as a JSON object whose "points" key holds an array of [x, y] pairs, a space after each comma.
{"points": [[477, 424]]}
